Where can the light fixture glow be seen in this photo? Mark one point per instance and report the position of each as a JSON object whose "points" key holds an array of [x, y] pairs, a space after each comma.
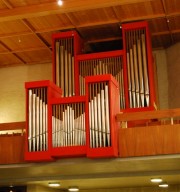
{"points": [[156, 180], [54, 184], [163, 185], [73, 189], [59, 2]]}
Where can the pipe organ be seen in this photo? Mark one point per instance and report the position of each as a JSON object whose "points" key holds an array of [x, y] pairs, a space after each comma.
{"points": [[66, 46], [75, 115], [38, 133], [102, 103], [99, 125], [38, 139], [101, 64], [138, 64], [68, 126]]}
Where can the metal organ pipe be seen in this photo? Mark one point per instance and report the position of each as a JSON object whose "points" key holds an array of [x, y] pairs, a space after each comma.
{"points": [[109, 65], [137, 69], [37, 119], [65, 66], [68, 124], [99, 122]]}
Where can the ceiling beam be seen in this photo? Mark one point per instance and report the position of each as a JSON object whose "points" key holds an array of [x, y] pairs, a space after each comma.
{"points": [[52, 8], [9, 50], [109, 22], [31, 28], [25, 50], [7, 3], [87, 42], [168, 26]]}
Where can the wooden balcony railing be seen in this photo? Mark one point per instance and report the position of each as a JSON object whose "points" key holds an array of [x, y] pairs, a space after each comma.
{"points": [[12, 142], [152, 133], [149, 133]]}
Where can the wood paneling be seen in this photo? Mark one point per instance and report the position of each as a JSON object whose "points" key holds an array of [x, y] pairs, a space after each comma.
{"points": [[12, 28], [12, 126], [36, 56], [152, 140], [159, 114], [88, 17], [23, 42], [49, 23], [9, 60], [139, 10], [11, 149], [47, 36], [158, 25], [28, 20], [12, 145], [172, 6]]}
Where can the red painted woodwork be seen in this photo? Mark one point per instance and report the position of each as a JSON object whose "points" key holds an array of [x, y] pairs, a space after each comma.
{"points": [[111, 151], [99, 55], [54, 95], [52, 91], [77, 49]]}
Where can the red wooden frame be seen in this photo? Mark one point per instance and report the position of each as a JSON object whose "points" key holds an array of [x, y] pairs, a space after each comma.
{"points": [[111, 151], [78, 44], [134, 26], [67, 151], [99, 55], [52, 91]]}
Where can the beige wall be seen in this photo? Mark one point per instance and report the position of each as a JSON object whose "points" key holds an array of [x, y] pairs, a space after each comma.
{"points": [[12, 91], [168, 76], [173, 62], [162, 78]]}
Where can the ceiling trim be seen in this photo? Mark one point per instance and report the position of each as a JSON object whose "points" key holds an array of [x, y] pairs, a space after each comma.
{"points": [[53, 8]]}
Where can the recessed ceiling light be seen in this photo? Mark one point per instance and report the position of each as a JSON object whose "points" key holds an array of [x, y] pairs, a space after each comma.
{"points": [[156, 180], [163, 185], [73, 189], [54, 184], [59, 2]]}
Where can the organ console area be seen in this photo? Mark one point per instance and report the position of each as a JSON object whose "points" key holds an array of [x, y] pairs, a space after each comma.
{"points": [[75, 114]]}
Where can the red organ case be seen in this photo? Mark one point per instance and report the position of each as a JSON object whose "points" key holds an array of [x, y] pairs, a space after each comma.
{"points": [[102, 105], [138, 67], [38, 140], [75, 115], [65, 47], [68, 128]]}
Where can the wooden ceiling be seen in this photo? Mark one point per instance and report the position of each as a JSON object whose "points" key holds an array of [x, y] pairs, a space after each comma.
{"points": [[26, 26]]}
